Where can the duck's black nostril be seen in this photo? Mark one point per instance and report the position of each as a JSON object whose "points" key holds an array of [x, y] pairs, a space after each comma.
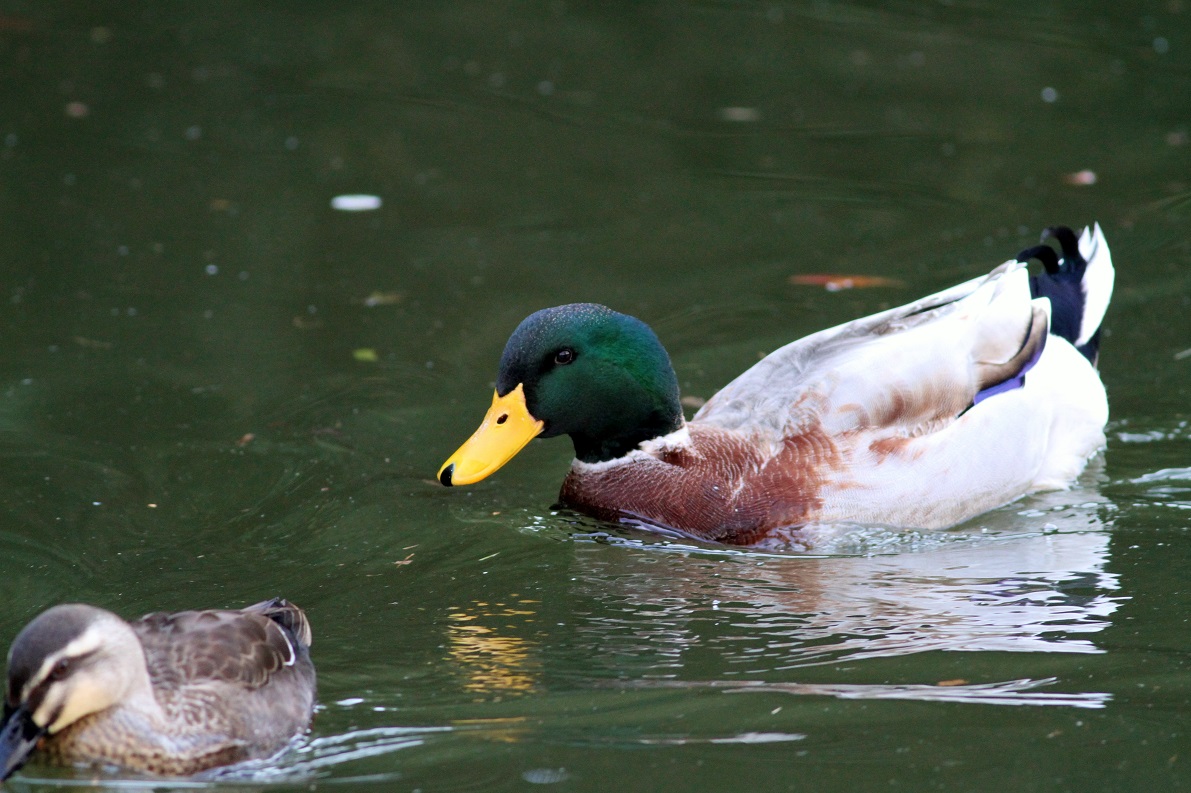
{"points": [[503, 418], [447, 473]]}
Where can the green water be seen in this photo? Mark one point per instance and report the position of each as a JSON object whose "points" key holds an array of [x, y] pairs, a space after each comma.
{"points": [[215, 388]]}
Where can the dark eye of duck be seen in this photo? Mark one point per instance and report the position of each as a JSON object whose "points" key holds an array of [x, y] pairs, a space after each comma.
{"points": [[60, 670], [564, 356]]}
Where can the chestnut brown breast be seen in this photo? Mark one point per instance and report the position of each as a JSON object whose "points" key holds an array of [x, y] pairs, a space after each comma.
{"points": [[720, 487]]}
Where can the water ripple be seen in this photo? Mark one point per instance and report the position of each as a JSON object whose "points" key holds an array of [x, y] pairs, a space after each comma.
{"points": [[1009, 692], [1042, 593]]}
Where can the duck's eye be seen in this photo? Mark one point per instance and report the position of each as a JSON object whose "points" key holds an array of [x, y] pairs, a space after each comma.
{"points": [[60, 669], [564, 356]]}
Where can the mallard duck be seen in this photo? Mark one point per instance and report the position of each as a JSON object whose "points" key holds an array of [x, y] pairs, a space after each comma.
{"points": [[167, 694], [918, 417]]}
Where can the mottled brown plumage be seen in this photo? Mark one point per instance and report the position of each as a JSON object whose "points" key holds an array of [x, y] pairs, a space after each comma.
{"points": [[167, 694]]}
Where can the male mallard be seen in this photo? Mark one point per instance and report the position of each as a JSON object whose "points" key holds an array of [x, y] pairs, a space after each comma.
{"points": [[167, 694], [921, 416]]}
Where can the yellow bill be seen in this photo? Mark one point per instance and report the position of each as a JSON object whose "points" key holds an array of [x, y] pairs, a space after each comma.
{"points": [[505, 430]]}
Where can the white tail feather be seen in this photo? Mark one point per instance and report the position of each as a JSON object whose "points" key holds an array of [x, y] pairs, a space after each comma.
{"points": [[1097, 281]]}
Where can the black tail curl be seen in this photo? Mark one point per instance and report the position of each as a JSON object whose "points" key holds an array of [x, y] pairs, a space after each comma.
{"points": [[1062, 282]]}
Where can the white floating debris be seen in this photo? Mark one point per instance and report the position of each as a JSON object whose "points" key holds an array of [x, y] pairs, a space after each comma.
{"points": [[545, 776], [1084, 178], [761, 737], [740, 114], [356, 203]]}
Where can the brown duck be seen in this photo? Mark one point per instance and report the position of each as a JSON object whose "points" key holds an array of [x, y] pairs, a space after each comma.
{"points": [[921, 416], [167, 694]]}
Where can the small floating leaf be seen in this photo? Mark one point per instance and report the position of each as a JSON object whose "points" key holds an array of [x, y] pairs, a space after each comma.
{"points": [[1084, 178], [383, 299], [833, 282]]}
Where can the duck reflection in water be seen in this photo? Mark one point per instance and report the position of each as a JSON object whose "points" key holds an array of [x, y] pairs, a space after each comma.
{"points": [[492, 660], [1000, 591]]}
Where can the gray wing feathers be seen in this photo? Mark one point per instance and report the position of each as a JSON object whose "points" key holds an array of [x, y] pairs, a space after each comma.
{"points": [[238, 648], [910, 365]]}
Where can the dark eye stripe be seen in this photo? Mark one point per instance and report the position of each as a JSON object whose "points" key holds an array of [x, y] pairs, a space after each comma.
{"points": [[33, 701], [57, 673]]}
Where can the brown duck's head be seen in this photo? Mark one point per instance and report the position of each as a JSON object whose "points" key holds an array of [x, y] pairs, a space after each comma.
{"points": [[581, 370], [69, 662]]}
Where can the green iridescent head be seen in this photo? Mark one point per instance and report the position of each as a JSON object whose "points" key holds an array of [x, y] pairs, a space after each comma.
{"points": [[582, 370]]}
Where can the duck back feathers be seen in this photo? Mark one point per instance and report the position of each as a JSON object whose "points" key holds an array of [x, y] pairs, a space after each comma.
{"points": [[242, 649], [923, 362]]}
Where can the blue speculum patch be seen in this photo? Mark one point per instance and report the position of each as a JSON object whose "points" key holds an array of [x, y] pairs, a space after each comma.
{"points": [[1017, 381]]}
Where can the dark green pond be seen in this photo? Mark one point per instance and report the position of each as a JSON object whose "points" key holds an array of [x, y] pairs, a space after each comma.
{"points": [[216, 388]]}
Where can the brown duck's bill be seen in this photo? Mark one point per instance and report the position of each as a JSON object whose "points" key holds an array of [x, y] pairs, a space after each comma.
{"points": [[505, 430], [19, 735]]}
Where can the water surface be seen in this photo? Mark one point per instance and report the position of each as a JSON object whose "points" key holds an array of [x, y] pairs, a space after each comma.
{"points": [[217, 388]]}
